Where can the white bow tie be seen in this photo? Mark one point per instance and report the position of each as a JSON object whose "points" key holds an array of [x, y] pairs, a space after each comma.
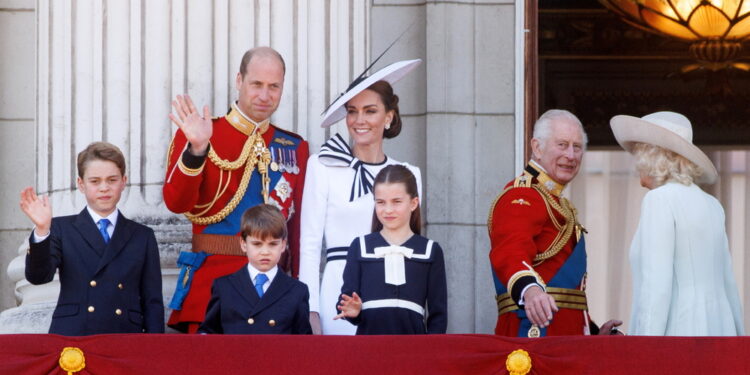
{"points": [[394, 262]]}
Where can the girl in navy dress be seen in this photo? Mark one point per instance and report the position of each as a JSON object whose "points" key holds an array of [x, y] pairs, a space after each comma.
{"points": [[394, 280]]}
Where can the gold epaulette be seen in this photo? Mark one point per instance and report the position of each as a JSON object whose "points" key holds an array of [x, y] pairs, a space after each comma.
{"points": [[523, 180]]}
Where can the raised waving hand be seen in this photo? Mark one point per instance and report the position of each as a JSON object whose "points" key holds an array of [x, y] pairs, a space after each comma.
{"points": [[38, 210], [197, 129]]}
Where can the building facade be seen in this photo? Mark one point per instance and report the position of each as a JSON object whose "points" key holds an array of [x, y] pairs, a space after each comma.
{"points": [[84, 71]]}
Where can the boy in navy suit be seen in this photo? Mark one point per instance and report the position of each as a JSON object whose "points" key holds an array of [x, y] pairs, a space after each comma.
{"points": [[110, 278], [258, 298]]}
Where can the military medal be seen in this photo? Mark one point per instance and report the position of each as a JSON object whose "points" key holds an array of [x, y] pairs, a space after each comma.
{"points": [[295, 168], [284, 161], [282, 167], [534, 331], [287, 161], [274, 164]]}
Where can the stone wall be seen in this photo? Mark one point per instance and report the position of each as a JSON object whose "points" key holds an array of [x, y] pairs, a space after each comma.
{"points": [[461, 118], [17, 108], [458, 107]]}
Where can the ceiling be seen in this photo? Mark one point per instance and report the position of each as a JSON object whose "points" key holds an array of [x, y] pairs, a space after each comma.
{"points": [[597, 66]]}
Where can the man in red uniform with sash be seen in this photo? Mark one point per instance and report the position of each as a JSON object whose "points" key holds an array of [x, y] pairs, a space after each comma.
{"points": [[538, 251], [219, 168]]}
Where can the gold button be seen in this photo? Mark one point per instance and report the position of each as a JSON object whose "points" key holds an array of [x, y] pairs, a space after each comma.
{"points": [[119, 286], [118, 312], [271, 322], [92, 283], [251, 321], [91, 308]]}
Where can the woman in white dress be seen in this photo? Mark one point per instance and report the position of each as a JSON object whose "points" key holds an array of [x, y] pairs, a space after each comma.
{"points": [[682, 269], [337, 204]]}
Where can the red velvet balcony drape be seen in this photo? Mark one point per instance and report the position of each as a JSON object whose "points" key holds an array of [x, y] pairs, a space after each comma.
{"points": [[439, 354]]}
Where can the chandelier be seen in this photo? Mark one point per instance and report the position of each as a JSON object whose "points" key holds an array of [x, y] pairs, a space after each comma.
{"points": [[715, 29]]}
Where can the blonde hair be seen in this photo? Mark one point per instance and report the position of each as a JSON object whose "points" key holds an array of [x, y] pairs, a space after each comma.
{"points": [[663, 165]]}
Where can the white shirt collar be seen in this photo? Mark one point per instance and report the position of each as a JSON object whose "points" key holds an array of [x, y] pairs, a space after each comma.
{"points": [[112, 217], [270, 273]]}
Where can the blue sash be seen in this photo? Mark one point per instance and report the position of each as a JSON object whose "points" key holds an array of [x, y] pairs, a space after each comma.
{"points": [[230, 225], [190, 261], [569, 276]]}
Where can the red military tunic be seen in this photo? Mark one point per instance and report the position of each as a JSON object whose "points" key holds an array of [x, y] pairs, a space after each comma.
{"points": [[214, 194], [522, 229]]}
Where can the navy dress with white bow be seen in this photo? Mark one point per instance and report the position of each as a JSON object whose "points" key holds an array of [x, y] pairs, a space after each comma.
{"points": [[417, 306]]}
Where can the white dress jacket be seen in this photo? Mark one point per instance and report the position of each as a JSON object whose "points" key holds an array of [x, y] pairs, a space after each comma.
{"points": [[330, 219], [682, 269]]}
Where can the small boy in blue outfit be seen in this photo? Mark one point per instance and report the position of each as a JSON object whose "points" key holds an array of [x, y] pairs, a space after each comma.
{"points": [[258, 299], [110, 278]]}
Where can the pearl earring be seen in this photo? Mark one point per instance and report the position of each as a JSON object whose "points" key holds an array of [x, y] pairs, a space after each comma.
{"points": [[387, 126]]}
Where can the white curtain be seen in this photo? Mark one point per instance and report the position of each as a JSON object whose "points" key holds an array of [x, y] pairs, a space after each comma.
{"points": [[607, 194]]}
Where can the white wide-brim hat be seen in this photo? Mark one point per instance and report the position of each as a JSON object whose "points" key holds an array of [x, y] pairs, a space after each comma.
{"points": [[668, 130], [391, 74]]}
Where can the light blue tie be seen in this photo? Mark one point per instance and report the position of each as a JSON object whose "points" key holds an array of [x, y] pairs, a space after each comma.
{"points": [[103, 224], [259, 281]]}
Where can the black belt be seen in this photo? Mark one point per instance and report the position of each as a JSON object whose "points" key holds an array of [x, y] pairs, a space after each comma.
{"points": [[336, 253]]}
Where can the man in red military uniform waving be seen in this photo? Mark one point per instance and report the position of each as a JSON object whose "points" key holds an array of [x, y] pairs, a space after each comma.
{"points": [[538, 251], [219, 168]]}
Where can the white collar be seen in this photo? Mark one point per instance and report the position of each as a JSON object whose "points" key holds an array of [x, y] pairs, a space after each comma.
{"points": [[537, 165], [112, 217], [254, 272]]}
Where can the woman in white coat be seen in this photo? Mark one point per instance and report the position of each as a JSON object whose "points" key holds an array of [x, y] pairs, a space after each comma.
{"points": [[337, 203], [683, 284]]}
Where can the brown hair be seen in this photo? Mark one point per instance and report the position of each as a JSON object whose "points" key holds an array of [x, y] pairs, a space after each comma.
{"points": [[263, 221], [259, 51], [390, 101], [100, 151], [399, 174]]}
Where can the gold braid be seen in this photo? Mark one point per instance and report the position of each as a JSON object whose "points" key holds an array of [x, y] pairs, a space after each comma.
{"points": [[492, 210], [254, 140], [566, 230], [232, 165]]}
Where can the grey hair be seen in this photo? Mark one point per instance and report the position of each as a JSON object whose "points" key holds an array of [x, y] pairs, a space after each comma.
{"points": [[543, 126]]}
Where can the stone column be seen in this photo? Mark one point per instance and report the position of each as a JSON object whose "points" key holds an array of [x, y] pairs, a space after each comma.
{"points": [[17, 98], [108, 70], [470, 153], [461, 128]]}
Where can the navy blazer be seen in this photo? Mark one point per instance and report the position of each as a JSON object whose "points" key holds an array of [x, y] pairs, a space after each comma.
{"points": [[104, 288], [235, 307], [425, 285]]}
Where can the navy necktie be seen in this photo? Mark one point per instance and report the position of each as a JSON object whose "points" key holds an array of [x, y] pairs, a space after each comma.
{"points": [[103, 224], [259, 281]]}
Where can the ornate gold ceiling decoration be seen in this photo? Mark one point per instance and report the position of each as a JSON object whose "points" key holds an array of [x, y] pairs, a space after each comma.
{"points": [[716, 29]]}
